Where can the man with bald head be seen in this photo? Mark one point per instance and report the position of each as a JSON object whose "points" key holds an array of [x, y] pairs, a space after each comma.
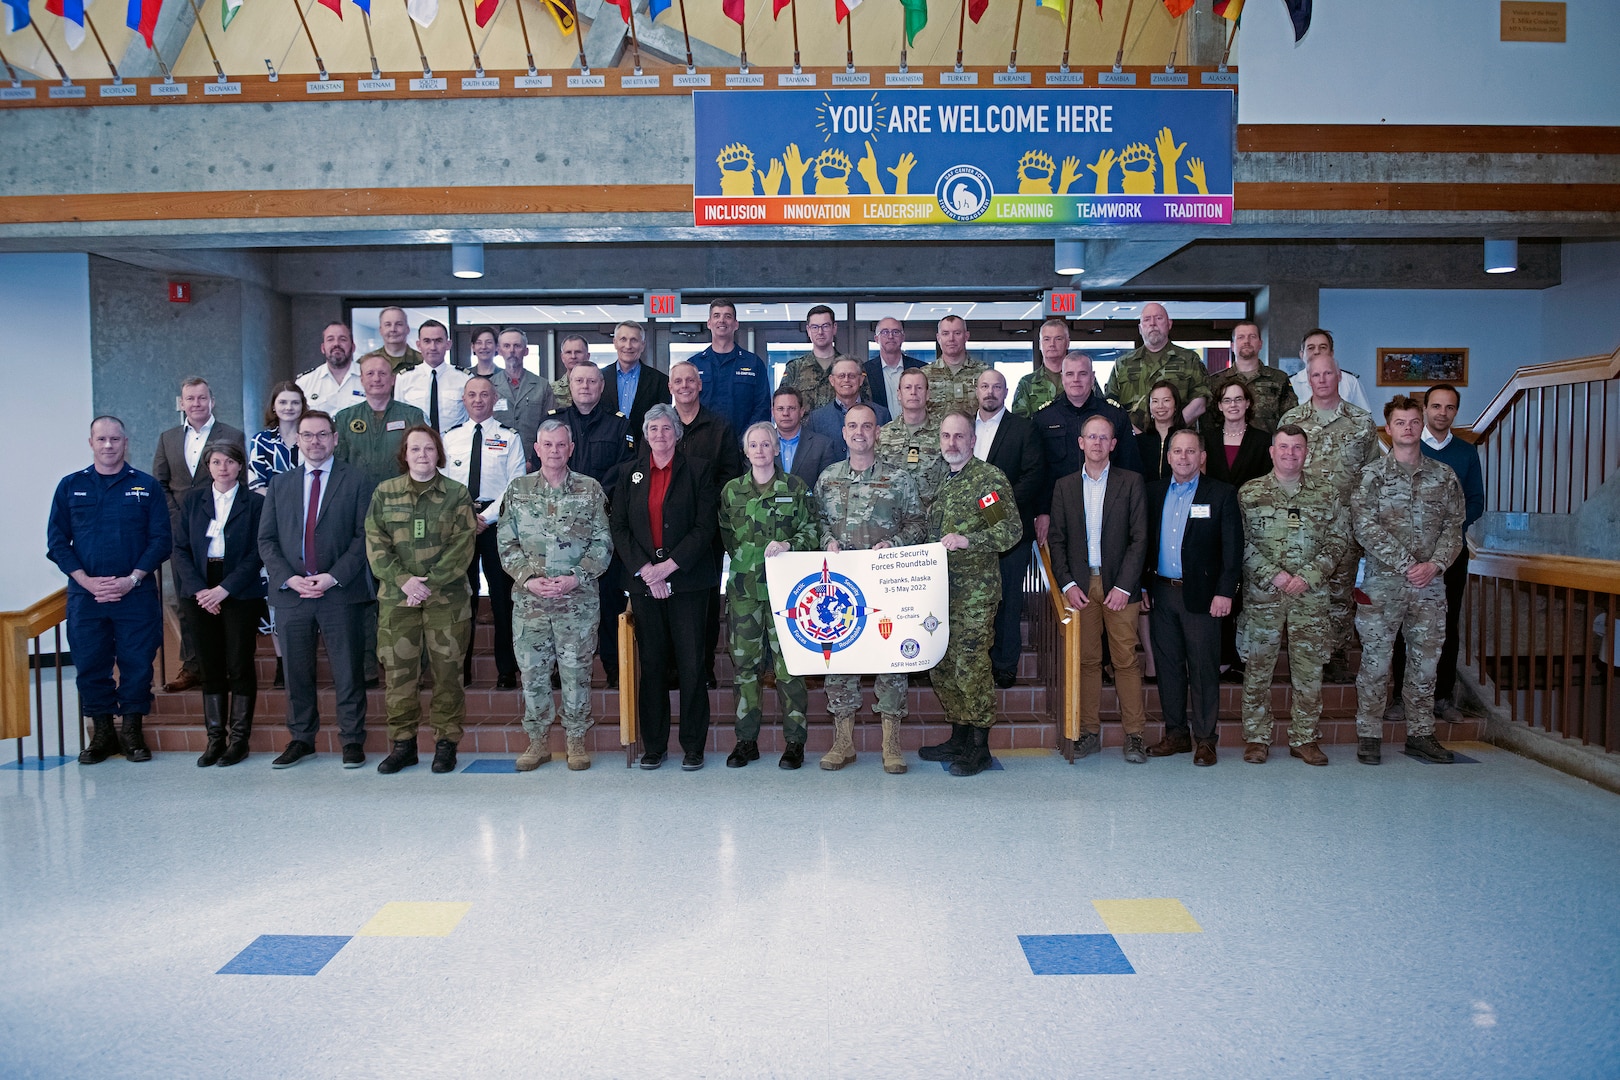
{"points": [[1060, 424], [1042, 386], [394, 327], [1158, 358], [952, 377]]}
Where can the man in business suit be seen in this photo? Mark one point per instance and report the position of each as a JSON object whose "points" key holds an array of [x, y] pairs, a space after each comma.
{"points": [[630, 386], [1010, 443], [525, 399], [320, 582], [1193, 568], [1098, 539], [805, 453], [883, 370], [849, 389], [178, 465]]}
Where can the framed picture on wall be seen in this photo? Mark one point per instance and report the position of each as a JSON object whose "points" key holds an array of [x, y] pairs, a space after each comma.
{"points": [[1422, 367]]}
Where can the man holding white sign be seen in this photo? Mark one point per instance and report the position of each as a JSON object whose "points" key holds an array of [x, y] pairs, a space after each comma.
{"points": [[865, 505]]}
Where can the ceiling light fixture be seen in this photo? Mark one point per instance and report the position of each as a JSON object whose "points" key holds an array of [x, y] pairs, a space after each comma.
{"points": [[467, 260], [1501, 256]]}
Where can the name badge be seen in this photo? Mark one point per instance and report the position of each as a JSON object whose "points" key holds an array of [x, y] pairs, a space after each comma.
{"points": [[1200, 510], [216, 529], [784, 498], [396, 425], [500, 405]]}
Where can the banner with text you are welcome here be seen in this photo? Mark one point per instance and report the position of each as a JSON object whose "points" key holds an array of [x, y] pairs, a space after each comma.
{"points": [[949, 156]]}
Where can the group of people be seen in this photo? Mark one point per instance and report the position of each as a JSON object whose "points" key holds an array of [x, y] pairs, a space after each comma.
{"points": [[384, 489]]}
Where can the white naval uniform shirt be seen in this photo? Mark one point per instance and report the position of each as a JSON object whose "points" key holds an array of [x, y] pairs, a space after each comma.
{"points": [[325, 394], [503, 461], [414, 385]]}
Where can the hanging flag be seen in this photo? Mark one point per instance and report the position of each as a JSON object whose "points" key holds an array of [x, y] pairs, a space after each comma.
{"points": [[916, 18], [1300, 12], [1178, 8], [16, 15], [363, 5], [423, 11], [71, 12], [777, 6], [227, 12], [656, 8], [335, 5], [564, 14], [1060, 8], [484, 10], [842, 8], [976, 9], [734, 9], [624, 10], [1229, 9], [142, 18]]}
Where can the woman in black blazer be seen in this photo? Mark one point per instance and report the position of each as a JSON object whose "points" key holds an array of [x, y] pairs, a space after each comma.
{"points": [[219, 571], [1237, 451], [1164, 417], [670, 567]]}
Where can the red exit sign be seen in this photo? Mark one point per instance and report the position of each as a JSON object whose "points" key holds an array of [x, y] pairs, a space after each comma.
{"points": [[661, 305], [1061, 303], [179, 292]]}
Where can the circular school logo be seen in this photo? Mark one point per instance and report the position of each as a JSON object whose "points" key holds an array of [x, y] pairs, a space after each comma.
{"points": [[963, 192], [826, 612], [909, 648]]}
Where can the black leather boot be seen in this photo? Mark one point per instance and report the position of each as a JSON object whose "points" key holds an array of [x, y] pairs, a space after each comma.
{"points": [[444, 756], [103, 741], [403, 756], [133, 741], [241, 726], [214, 724], [952, 748], [976, 758]]}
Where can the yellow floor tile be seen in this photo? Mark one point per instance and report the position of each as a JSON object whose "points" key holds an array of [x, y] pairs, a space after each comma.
{"points": [[403, 918], [1153, 916], [1031, 751]]}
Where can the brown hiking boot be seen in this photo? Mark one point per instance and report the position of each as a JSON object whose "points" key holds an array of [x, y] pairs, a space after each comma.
{"points": [[1171, 743], [843, 747], [536, 755], [579, 759], [893, 760], [1309, 753]]}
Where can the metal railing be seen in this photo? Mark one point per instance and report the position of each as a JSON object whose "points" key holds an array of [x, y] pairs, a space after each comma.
{"points": [[22, 654], [1054, 633]]}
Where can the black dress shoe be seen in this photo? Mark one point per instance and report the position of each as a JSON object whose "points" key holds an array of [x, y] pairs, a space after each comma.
{"points": [[693, 761], [373, 683], [792, 757], [133, 739], [1005, 680], [746, 750], [652, 759], [296, 751], [403, 756], [354, 755], [509, 681], [280, 681], [613, 679], [444, 756]]}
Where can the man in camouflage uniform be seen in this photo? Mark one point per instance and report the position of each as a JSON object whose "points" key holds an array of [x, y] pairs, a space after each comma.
{"points": [[419, 540], [395, 329], [910, 442], [864, 504], [555, 544], [759, 519], [1042, 386], [973, 513], [953, 379], [1270, 392], [573, 351], [1343, 441], [1408, 514], [811, 373], [1293, 536], [1158, 358]]}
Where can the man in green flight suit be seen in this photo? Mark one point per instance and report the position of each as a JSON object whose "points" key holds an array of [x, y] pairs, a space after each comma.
{"points": [[1044, 385], [1158, 358], [974, 515]]}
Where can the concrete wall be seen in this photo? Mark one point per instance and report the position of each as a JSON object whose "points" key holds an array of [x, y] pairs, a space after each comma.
{"points": [[1434, 62], [45, 420], [1581, 316], [267, 356]]}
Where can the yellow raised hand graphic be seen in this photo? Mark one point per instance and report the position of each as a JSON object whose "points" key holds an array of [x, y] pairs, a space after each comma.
{"points": [[1104, 165], [771, 182], [1169, 154], [832, 172], [736, 163], [796, 168], [868, 168], [1035, 171], [1136, 167], [1071, 173], [1195, 175], [902, 171]]}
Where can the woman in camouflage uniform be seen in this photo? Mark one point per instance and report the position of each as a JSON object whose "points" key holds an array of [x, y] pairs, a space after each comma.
{"points": [[763, 513]]}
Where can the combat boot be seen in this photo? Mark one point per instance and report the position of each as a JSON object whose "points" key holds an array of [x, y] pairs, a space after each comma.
{"points": [[843, 747], [579, 759], [214, 725], [536, 755], [976, 758], [1369, 751], [961, 738], [403, 756], [133, 741], [103, 741], [241, 727], [893, 760]]}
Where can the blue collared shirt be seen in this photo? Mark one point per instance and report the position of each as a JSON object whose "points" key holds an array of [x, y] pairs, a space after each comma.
{"points": [[628, 381], [790, 448], [1173, 528]]}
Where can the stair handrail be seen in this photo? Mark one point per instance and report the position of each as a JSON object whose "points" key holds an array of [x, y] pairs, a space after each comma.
{"points": [[16, 628], [1598, 368], [1069, 628]]}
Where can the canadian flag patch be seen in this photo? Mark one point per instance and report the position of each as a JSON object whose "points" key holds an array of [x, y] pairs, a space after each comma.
{"points": [[989, 500]]}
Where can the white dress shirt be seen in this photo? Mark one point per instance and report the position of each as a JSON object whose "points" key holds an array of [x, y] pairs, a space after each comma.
{"points": [[984, 433], [503, 461], [326, 394], [414, 387], [1428, 437], [196, 439], [222, 514], [891, 381], [1095, 491]]}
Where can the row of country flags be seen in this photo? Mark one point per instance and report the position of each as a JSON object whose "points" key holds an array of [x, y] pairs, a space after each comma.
{"points": [[141, 15]]}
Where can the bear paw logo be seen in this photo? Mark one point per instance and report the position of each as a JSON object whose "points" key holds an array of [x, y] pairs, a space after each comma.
{"points": [[1035, 170], [736, 163], [832, 172], [1137, 166]]}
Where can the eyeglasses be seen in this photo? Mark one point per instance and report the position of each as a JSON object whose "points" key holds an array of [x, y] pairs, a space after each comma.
{"points": [[316, 436], [891, 333]]}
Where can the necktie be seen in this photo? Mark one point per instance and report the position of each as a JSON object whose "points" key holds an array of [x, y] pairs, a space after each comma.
{"points": [[475, 466], [433, 401], [310, 568]]}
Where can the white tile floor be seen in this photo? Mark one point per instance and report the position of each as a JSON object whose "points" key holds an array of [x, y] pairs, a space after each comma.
{"points": [[1408, 920]]}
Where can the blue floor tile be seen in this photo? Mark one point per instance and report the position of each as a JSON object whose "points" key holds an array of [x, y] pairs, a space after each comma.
{"points": [[994, 766], [285, 954], [1074, 954], [500, 764], [36, 764]]}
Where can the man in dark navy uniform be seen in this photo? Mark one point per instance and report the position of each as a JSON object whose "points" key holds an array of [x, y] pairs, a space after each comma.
{"points": [[109, 532]]}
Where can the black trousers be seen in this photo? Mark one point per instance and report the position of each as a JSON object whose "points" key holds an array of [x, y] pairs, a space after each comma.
{"points": [[1445, 677], [341, 626], [1187, 657], [225, 642], [667, 629], [711, 632], [610, 595], [487, 554], [1009, 642]]}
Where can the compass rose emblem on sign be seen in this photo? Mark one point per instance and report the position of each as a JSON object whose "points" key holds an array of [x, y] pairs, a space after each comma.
{"points": [[826, 612]]}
